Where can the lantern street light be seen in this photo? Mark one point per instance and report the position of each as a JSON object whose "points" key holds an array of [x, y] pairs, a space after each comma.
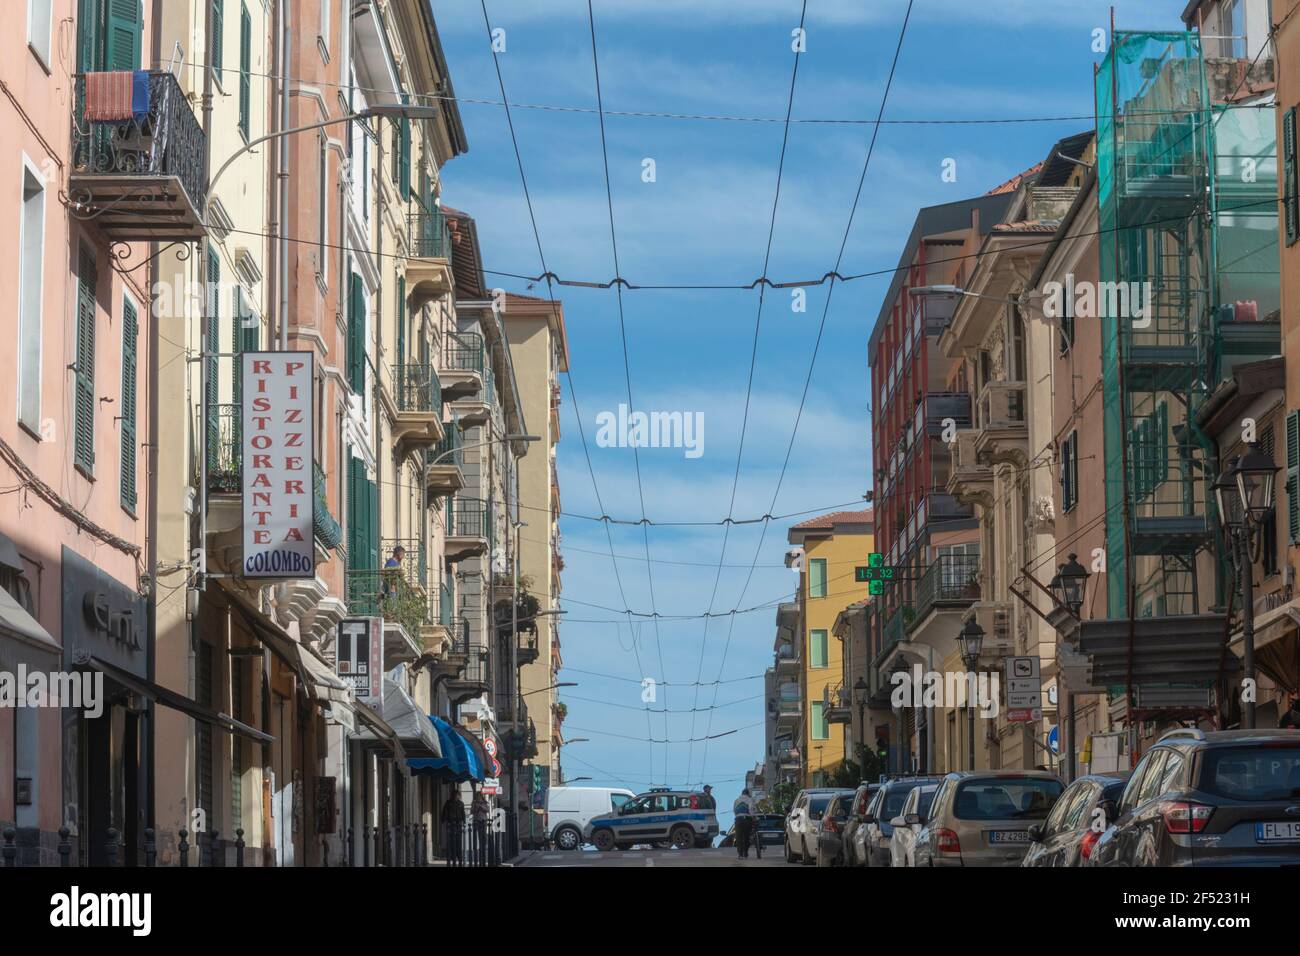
{"points": [[1069, 584], [971, 639], [1246, 493]]}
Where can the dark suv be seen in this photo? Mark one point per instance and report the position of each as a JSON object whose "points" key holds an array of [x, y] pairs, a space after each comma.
{"points": [[1218, 798]]}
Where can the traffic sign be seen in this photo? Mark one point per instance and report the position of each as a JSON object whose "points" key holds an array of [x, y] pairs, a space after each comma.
{"points": [[1024, 684], [1054, 740]]}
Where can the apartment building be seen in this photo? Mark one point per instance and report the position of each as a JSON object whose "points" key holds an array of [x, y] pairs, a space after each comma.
{"points": [[825, 550]]}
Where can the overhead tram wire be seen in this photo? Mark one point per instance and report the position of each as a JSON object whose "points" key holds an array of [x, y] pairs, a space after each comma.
{"points": [[537, 237], [753, 361], [627, 367], [821, 328]]}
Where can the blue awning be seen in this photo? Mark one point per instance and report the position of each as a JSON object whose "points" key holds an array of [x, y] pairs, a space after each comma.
{"points": [[458, 762]]}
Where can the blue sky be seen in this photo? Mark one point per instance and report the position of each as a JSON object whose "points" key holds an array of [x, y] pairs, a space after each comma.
{"points": [[705, 221]]}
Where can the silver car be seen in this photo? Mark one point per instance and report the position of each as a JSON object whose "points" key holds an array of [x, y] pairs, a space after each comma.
{"points": [[982, 817], [801, 823], [908, 823]]}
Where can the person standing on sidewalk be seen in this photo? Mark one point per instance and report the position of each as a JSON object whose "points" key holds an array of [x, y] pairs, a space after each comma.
{"points": [[480, 810], [453, 821], [743, 808]]}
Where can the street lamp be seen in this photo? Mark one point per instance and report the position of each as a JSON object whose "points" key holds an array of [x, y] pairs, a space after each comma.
{"points": [[971, 640], [1069, 584], [484, 444], [1242, 516]]}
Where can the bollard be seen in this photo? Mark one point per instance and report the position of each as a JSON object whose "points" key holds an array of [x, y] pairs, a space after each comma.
{"points": [[111, 846], [65, 847], [150, 847], [239, 847], [10, 851]]}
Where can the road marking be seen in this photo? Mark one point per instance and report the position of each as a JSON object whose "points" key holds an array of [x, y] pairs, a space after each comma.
{"points": [[552, 856]]}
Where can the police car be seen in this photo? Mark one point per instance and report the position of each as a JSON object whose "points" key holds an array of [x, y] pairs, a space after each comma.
{"points": [[683, 818]]}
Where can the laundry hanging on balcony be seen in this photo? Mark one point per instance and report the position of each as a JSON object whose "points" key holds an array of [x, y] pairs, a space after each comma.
{"points": [[116, 96]]}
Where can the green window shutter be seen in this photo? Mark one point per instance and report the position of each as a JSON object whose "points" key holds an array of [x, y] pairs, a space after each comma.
{"points": [[404, 158], [401, 321], [245, 67], [372, 524], [817, 725], [123, 34], [356, 335], [130, 332], [1293, 475], [354, 515], [1290, 178], [245, 337], [212, 346], [817, 577], [218, 32], [817, 648], [90, 36], [87, 280]]}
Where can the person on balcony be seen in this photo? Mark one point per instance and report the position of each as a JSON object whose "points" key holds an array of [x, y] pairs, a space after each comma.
{"points": [[392, 573]]}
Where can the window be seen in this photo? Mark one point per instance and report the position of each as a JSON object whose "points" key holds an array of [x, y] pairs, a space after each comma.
{"points": [[245, 68], [1290, 179], [1153, 778], [1268, 543], [363, 518], [108, 35], [84, 443], [1067, 316], [130, 335], [356, 335], [322, 201], [817, 578], [31, 270], [212, 346], [817, 648], [39, 21], [819, 727], [323, 30], [618, 800], [1070, 472], [218, 29]]}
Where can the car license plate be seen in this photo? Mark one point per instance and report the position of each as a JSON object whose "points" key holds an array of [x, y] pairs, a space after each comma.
{"points": [[1283, 832], [1008, 836]]}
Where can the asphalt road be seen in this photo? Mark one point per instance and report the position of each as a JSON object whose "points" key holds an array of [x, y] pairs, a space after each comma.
{"points": [[657, 857]]}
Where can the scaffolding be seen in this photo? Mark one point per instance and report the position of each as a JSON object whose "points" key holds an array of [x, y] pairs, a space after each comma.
{"points": [[1189, 287]]}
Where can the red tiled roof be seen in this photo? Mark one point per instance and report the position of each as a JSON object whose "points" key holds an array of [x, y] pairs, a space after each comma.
{"points": [[1026, 225], [826, 522], [1012, 184]]}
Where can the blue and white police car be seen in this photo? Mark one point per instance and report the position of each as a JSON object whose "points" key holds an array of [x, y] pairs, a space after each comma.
{"points": [[682, 818]]}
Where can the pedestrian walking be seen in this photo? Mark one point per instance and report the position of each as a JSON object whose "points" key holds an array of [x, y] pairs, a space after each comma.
{"points": [[453, 821], [743, 809], [1290, 718], [480, 811], [708, 800]]}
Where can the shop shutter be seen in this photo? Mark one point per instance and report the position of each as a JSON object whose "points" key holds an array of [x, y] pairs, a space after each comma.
{"points": [[130, 334], [87, 280]]}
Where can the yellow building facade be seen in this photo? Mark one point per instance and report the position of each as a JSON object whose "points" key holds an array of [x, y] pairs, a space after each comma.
{"points": [[825, 550]]}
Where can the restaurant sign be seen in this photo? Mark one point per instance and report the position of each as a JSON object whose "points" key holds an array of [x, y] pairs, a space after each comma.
{"points": [[276, 448]]}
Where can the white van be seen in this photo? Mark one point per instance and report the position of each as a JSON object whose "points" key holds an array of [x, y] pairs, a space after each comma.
{"points": [[570, 809]]}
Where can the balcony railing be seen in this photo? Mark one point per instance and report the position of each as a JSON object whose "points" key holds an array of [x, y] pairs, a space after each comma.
{"points": [[449, 450], [950, 579], [417, 388], [445, 606], [897, 624], [145, 175], [1002, 405], [386, 593], [428, 234], [463, 351], [225, 449], [328, 531], [467, 517]]}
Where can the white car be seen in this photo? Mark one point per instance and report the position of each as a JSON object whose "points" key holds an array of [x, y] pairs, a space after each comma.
{"points": [[908, 823], [570, 809], [801, 823]]}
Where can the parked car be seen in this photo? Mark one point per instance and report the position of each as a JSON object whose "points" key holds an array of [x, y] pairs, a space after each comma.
{"points": [[1071, 830], [857, 811], [570, 809], [830, 829], [908, 823], [871, 838], [1217, 798], [685, 818], [807, 809], [770, 832], [982, 817]]}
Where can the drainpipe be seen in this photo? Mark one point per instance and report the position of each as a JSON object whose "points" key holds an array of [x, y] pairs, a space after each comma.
{"points": [[202, 543], [282, 151]]}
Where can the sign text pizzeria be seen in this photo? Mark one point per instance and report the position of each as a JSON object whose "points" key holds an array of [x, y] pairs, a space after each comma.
{"points": [[279, 500]]}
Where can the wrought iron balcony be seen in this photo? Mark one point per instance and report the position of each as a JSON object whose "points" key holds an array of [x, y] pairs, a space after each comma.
{"points": [[428, 266], [386, 593], [442, 472], [473, 672], [951, 582], [416, 406], [462, 365], [468, 523], [1002, 430], [142, 178], [328, 531]]}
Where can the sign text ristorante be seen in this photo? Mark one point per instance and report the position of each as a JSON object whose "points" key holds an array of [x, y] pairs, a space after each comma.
{"points": [[279, 499]]}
